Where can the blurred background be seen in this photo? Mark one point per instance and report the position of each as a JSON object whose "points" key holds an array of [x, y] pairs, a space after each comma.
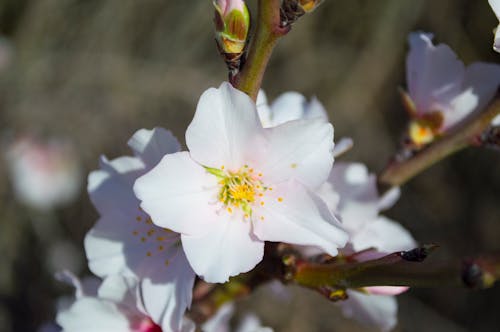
{"points": [[79, 77]]}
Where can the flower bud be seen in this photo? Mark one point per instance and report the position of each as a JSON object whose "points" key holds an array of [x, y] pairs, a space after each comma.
{"points": [[309, 5], [232, 23]]}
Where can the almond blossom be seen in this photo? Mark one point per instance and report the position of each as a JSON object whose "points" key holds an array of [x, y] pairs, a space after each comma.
{"points": [[116, 305], [495, 5], [240, 185], [125, 241], [441, 90], [220, 321]]}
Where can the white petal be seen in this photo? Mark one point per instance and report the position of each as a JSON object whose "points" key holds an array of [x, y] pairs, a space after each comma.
{"points": [[371, 310], [110, 187], [178, 194], [359, 200], [433, 73], [288, 106], [167, 301], [227, 250], [342, 146], [386, 290], [389, 198], [496, 121], [480, 86], [263, 110], [294, 215], [86, 287], [496, 43], [225, 129], [152, 145], [92, 314], [301, 150], [385, 235], [495, 5], [121, 290]]}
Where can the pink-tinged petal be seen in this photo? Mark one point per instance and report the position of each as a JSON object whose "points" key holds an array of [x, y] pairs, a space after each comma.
{"points": [[227, 250], [371, 310], [300, 149], [288, 106], [480, 86], [384, 235], [152, 145], [386, 290], [178, 194], [166, 301], [225, 129], [110, 187], [433, 73], [291, 213]]}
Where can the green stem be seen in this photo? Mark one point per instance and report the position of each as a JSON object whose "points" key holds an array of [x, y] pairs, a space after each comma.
{"points": [[266, 36], [398, 173]]}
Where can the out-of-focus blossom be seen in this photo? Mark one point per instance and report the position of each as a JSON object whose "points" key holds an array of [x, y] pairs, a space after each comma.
{"points": [[117, 305], [220, 322], [44, 175], [232, 23], [495, 5], [125, 241], [441, 90], [240, 185]]}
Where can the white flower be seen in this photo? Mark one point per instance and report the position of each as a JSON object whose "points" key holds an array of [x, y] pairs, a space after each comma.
{"points": [[45, 175], [240, 185], [495, 5], [115, 306], [125, 241], [442, 91]]}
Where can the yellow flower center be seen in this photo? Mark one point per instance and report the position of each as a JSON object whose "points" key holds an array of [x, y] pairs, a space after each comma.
{"points": [[426, 128], [240, 189]]}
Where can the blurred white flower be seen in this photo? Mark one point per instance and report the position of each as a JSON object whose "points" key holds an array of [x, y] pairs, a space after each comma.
{"points": [[240, 185], [220, 321], [495, 5], [125, 241], [441, 90], [117, 305], [44, 175]]}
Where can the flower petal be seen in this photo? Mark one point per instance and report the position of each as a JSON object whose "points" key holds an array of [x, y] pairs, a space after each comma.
{"points": [[178, 194], [292, 214], [225, 128], [300, 149], [383, 234], [227, 250], [480, 86], [166, 301], [152, 145], [371, 310], [433, 73]]}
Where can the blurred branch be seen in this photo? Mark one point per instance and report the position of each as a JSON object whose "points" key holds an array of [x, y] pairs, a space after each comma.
{"points": [[467, 134], [268, 31]]}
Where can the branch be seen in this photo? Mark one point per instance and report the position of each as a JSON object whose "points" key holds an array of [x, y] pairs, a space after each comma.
{"points": [[268, 32], [407, 268], [467, 134]]}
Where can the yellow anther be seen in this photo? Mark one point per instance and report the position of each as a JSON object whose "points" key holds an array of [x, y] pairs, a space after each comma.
{"points": [[280, 199], [148, 254], [138, 218], [135, 232], [294, 165], [160, 248], [143, 239]]}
